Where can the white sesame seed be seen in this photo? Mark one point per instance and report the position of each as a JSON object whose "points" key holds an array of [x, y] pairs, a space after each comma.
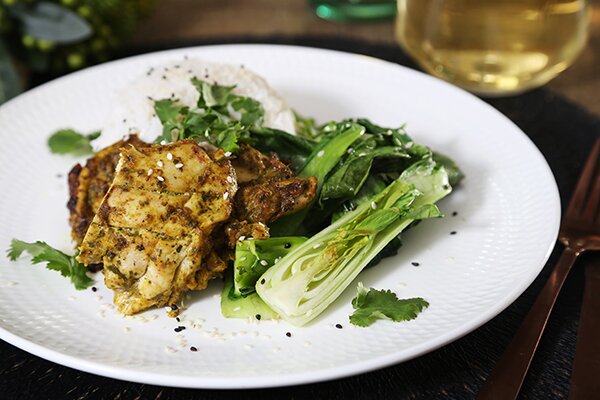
{"points": [[225, 195], [321, 153], [350, 150], [263, 262], [163, 142], [100, 313], [179, 165], [160, 164], [150, 171], [72, 298], [127, 329], [227, 154], [229, 179], [169, 349], [160, 178], [243, 259], [241, 239], [237, 308], [316, 246], [12, 283], [261, 224], [408, 145], [248, 347], [169, 156], [373, 205]]}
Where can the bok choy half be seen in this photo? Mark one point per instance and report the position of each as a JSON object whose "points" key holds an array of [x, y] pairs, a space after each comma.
{"points": [[308, 279]]}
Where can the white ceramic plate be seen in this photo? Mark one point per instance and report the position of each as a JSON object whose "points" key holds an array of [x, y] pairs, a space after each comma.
{"points": [[507, 223]]}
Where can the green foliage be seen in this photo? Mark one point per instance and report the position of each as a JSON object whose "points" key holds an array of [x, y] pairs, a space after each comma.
{"points": [[66, 141], [254, 257], [60, 35], [222, 118], [371, 305], [308, 279], [10, 84], [51, 22], [55, 260]]}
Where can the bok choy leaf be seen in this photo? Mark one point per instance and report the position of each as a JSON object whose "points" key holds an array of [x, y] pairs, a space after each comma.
{"points": [[306, 281]]}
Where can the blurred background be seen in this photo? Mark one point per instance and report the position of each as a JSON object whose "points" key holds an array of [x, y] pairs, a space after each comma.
{"points": [[114, 28]]}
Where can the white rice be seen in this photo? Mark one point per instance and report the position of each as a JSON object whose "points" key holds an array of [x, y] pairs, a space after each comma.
{"points": [[134, 109]]}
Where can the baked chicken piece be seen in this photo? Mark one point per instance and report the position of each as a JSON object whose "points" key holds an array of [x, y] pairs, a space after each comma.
{"points": [[267, 191], [88, 184], [152, 230]]}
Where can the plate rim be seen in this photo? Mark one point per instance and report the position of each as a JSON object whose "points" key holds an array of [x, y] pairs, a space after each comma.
{"points": [[324, 374]]}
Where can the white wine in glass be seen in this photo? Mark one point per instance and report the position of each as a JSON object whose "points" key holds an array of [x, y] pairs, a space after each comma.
{"points": [[493, 47]]}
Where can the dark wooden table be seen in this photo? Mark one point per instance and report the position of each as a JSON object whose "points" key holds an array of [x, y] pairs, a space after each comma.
{"points": [[560, 128]]}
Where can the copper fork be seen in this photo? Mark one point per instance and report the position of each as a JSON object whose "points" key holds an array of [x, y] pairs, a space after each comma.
{"points": [[579, 232]]}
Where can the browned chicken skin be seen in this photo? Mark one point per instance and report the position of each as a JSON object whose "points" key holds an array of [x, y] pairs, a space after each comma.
{"points": [[169, 217], [88, 184], [153, 228]]}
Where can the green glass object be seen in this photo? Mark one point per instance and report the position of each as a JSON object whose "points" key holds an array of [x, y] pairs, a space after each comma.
{"points": [[345, 10]]}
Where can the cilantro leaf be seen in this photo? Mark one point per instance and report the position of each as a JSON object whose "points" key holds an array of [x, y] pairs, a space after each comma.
{"points": [[55, 260], [66, 141], [212, 95], [371, 305], [221, 117]]}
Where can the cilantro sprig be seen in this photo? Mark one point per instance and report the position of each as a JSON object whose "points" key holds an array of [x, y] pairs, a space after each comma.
{"points": [[55, 260], [372, 304], [221, 117], [66, 141]]}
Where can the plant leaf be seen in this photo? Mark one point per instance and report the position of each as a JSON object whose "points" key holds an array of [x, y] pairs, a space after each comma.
{"points": [[10, 84], [371, 305], [70, 141], [53, 22]]}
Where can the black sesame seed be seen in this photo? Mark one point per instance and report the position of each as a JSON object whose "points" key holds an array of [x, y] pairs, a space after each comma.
{"points": [[179, 328], [59, 175], [173, 307], [339, 326], [262, 281], [178, 249], [140, 247], [163, 77], [288, 334], [287, 245], [94, 288], [206, 76], [455, 213], [258, 317], [193, 348], [177, 318], [453, 233], [177, 66], [415, 264]]}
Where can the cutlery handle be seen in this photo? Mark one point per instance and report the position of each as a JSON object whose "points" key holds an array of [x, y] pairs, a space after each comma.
{"points": [[506, 379], [585, 382]]}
